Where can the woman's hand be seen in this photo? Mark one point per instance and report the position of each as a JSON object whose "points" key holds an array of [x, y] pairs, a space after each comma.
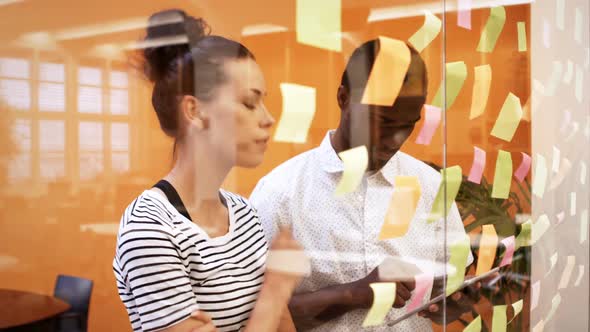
{"points": [[206, 325], [286, 262]]}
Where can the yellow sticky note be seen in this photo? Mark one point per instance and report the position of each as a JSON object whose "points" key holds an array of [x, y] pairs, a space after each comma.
{"points": [[487, 249], [508, 119], [517, 306], [499, 320], [426, 34], [503, 175], [539, 176], [481, 90], [456, 72], [388, 72], [524, 237], [399, 214], [451, 182], [383, 298], [474, 326], [539, 228], [319, 24], [355, 164], [492, 30], [521, 36], [409, 181], [299, 104], [459, 255]]}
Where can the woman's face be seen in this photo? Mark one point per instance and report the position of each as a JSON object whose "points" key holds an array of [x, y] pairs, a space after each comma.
{"points": [[240, 124]]}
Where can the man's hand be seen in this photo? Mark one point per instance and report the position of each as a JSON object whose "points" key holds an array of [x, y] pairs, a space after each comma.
{"points": [[364, 294]]}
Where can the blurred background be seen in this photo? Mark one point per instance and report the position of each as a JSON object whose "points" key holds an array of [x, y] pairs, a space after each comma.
{"points": [[80, 139]]}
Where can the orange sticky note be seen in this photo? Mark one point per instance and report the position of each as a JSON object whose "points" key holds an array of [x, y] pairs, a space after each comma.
{"points": [[487, 249], [402, 208], [388, 72]]}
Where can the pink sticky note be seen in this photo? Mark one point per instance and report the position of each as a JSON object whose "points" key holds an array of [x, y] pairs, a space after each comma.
{"points": [[523, 169], [423, 284], [464, 14], [479, 163], [432, 115], [546, 37], [509, 244], [566, 122], [560, 217], [536, 289]]}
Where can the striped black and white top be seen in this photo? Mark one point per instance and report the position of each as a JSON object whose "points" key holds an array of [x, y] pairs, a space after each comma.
{"points": [[167, 267]]}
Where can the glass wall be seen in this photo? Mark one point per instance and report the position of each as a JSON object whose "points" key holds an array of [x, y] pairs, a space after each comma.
{"points": [[491, 180]]}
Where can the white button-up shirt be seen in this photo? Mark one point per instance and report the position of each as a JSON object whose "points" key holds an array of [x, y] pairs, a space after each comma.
{"points": [[340, 234]]}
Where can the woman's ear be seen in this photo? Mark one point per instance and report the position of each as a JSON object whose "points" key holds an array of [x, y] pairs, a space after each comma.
{"points": [[192, 112]]}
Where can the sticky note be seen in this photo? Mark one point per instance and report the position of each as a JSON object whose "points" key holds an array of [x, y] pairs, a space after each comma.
{"points": [[524, 237], [459, 255], [508, 119], [522, 44], [578, 26], [426, 34], [552, 261], [569, 74], [355, 164], [535, 293], [293, 262], [567, 118], [579, 83], [492, 30], [319, 24], [573, 131], [539, 228], [464, 14], [560, 217], [583, 172], [503, 175], [567, 272], [526, 110], [517, 306], [424, 283], [556, 159], [456, 72], [499, 319], [523, 169], [481, 90], [554, 305], [299, 105], [388, 72], [399, 214], [540, 176], [432, 115], [478, 165], [560, 14], [546, 34], [450, 183], [383, 298], [539, 327], [509, 244], [572, 204], [564, 169], [487, 249], [554, 78], [580, 275], [584, 227], [474, 326]]}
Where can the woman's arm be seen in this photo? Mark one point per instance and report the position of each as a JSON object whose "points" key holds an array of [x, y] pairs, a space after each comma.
{"points": [[286, 324]]}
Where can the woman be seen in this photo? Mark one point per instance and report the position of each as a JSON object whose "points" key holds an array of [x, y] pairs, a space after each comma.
{"points": [[187, 245]]}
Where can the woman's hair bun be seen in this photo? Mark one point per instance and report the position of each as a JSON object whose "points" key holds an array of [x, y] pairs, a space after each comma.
{"points": [[166, 40]]}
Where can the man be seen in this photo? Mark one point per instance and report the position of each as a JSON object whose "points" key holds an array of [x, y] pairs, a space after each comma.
{"points": [[340, 234]]}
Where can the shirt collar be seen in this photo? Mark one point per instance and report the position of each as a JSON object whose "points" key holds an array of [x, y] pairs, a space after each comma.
{"points": [[331, 163]]}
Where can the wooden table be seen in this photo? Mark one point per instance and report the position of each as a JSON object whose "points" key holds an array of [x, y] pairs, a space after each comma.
{"points": [[18, 308]]}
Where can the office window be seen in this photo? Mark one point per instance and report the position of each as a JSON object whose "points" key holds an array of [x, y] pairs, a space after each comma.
{"points": [[52, 87], [91, 149], [15, 85], [120, 147], [19, 167], [89, 90], [52, 148], [119, 96]]}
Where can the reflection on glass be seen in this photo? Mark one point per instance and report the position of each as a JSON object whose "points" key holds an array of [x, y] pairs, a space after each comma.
{"points": [[52, 146], [91, 149]]}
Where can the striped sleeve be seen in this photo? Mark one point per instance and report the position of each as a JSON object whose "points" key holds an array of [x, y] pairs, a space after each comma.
{"points": [[157, 290]]}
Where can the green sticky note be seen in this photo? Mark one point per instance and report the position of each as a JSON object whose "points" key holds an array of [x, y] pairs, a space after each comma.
{"points": [[456, 72], [499, 320], [503, 175], [474, 326], [492, 30], [508, 119], [524, 237], [459, 255], [383, 298], [426, 34], [539, 176], [319, 24], [539, 228], [451, 181], [355, 162], [517, 306], [521, 36]]}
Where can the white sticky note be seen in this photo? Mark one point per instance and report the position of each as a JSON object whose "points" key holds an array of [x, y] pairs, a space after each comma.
{"points": [[579, 83], [580, 275], [564, 169], [535, 294], [556, 158], [573, 131], [567, 272], [572, 204], [560, 14], [539, 176], [299, 105], [578, 26], [383, 298], [546, 34], [539, 327], [553, 261], [583, 172], [554, 305], [584, 226], [554, 79], [319, 24], [569, 74], [355, 162]]}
